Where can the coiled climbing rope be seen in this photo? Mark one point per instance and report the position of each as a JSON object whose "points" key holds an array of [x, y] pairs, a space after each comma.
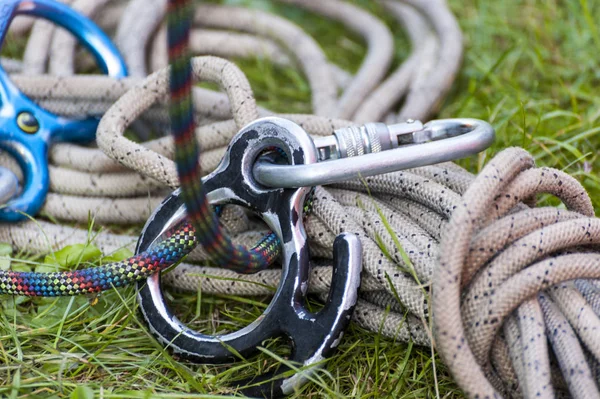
{"points": [[504, 274]]}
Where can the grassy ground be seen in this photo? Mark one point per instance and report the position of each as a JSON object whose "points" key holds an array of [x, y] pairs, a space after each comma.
{"points": [[530, 69]]}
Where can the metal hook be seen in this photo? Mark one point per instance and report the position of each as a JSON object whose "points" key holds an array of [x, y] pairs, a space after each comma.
{"points": [[26, 130], [313, 335], [376, 148]]}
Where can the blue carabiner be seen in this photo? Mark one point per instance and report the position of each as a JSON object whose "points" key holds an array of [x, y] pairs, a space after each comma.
{"points": [[26, 130]]}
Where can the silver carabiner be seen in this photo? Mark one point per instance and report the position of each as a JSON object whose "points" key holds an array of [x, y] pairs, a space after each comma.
{"points": [[376, 148]]}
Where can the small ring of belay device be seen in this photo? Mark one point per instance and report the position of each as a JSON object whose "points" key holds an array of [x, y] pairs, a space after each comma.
{"points": [[313, 335]]}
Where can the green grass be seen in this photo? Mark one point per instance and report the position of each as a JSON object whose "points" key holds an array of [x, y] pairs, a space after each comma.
{"points": [[530, 69]]}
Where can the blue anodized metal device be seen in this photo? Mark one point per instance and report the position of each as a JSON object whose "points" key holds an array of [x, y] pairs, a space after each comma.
{"points": [[26, 130]]}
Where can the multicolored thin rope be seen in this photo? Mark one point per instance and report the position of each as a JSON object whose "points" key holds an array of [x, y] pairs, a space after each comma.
{"points": [[176, 244], [210, 235]]}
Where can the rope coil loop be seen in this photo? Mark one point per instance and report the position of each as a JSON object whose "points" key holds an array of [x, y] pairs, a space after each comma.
{"points": [[502, 283]]}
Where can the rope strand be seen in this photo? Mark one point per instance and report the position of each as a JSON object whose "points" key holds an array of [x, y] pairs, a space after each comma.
{"points": [[210, 235], [164, 254]]}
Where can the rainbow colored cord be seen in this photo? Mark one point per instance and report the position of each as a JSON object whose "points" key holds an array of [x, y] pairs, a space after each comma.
{"points": [[164, 254], [209, 233]]}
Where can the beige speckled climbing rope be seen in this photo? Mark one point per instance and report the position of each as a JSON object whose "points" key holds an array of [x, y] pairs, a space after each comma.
{"points": [[504, 274]]}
